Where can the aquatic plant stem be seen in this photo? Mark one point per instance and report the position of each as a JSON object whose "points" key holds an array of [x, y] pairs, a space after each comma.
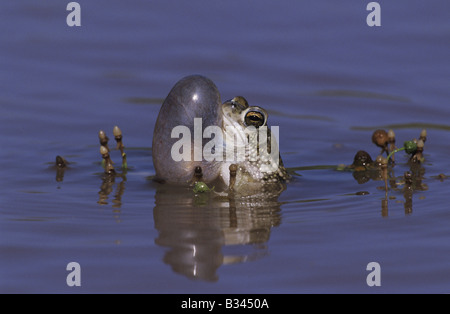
{"points": [[409, 146], [395, 151], [118, 137]]}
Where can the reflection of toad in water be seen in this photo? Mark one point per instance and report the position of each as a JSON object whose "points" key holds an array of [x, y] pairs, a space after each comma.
{"points": [[197, 228]]}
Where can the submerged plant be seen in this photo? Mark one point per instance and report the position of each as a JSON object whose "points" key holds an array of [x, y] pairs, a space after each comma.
{"points": [[365, 168], [386, 140], [60, 162], [103, 139], [391, 141], [118, 137], [109, 168], [410, 147], [61, 165], [104, 149]]}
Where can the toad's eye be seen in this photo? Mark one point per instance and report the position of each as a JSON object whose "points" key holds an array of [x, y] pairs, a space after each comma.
{"points": [[254, 118]]}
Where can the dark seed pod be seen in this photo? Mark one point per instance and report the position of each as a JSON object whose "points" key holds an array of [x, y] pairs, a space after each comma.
{"points": [[60, 162], [362, 159], [380, 138]]}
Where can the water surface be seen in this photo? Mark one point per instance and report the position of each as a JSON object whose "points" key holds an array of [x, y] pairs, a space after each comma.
{"points": [[326, 78]]}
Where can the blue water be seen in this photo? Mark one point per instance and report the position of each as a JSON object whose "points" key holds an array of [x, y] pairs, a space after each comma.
{"points": [[325, 77]]}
